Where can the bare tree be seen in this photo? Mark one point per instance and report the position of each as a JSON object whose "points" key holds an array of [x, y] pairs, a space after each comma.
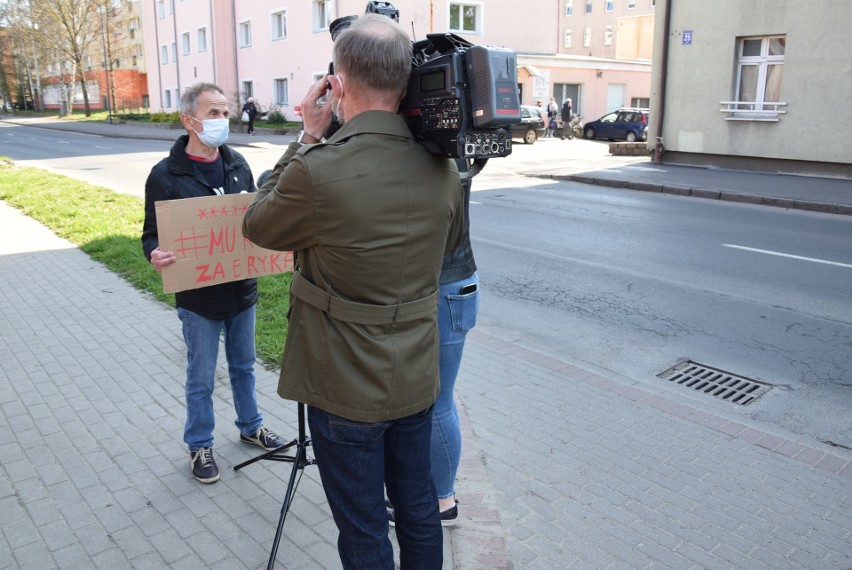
{"points": [[75, 25]]}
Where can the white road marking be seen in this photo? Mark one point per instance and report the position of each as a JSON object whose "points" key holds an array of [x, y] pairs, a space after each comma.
{"points": [[779, 254]]}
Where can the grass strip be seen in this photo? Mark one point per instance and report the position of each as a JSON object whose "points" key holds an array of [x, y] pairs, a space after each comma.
{"points": [[107, 226]]}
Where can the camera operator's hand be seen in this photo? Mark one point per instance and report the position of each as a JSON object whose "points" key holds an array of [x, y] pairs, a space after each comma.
{"points": [[316, 117]]}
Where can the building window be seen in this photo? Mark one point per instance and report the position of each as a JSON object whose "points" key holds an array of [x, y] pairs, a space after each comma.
{"points": [[248, 89], [321, 14], [569, 7], [587, 37], [185, 43], [171, 7], [631, 4], [640, 102], [465, 18], [566, 41], [167, 99], [161, 9], [607, 35], [610, 5], [653, 3], [245, 34], [281, 92], [588, 6], [279, 25], [202, 39], [164, 54], [174, 52], [760, 65]]}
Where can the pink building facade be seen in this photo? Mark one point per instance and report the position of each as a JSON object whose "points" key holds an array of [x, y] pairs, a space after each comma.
{"points": [[273, 50]]}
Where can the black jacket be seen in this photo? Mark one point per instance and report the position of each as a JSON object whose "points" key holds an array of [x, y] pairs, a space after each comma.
{"points": [[176, 177]]}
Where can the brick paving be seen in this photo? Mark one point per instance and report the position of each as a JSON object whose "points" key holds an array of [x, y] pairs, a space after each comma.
{"points": [[562, 467]]}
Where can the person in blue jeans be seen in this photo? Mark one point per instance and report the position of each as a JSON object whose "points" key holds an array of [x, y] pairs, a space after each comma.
{"points": [[201, 164], [458, 306]]}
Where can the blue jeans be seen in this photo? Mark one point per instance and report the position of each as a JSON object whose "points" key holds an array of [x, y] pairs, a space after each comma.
{"points": [[202, 350], [357, 461], [456, 316]]}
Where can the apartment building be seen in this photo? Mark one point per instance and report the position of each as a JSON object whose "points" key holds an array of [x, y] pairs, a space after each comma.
{"points": [[273, 50], [765, 90], [114, 65]]}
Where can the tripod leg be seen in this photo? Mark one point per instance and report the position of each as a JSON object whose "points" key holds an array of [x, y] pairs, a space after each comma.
{"points": [[299, 463]]}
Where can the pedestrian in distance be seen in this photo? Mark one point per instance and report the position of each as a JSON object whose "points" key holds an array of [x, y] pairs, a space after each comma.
{"points": [[249, 114], [566, 116], [201, 164], [370, 214], [552, 115]]}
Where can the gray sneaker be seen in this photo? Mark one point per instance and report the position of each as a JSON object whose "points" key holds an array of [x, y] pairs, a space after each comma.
{"points": [[265, 438], [203, 466]]}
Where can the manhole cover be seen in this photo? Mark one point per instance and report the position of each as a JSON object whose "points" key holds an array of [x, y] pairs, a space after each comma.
{"points": [[708, 380]]}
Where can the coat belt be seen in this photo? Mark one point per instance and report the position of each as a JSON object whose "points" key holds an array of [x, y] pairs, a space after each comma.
{"points": [[361, 313]]}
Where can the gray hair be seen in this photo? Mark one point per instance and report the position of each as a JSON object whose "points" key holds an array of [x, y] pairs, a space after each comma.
{"points": [[189, 99], [374, 52]]}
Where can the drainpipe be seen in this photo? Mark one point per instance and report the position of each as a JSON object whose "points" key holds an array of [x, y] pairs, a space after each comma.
{"points": [[236, 50], [659, 149], [159, 61]]}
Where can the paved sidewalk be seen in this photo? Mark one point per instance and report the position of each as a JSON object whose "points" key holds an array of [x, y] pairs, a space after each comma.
{"points": [[562, 467]]}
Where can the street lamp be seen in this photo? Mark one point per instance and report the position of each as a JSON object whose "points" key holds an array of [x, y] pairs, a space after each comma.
{"points": [[103, 10]]}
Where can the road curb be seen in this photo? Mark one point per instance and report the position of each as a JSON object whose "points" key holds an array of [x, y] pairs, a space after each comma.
{"points": [[724, 195]]}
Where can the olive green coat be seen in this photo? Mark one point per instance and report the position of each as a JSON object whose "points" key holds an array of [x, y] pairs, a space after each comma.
{"points": [[370, 214]]}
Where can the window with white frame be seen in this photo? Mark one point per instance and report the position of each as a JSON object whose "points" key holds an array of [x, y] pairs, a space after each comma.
{"points": [[281, 92], [161, 9], [185, 42], [279, 25], [164, 54], [587, 37], [174, 52], [631, 4], [566, 40], [569, 7], [322, 14], [201, 39], [760, 66], [466, 17], [607, 35], [171, 7], [610, 5], [167, 99], [588, 6], [653, 3], [245, 33], [248, 89]]}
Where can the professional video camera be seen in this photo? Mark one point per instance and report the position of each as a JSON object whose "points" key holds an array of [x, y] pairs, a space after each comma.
{"points": [[462, 99]]}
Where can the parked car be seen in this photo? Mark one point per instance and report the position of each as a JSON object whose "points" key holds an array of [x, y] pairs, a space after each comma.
{"points": [[531, 126], [625, 124]]}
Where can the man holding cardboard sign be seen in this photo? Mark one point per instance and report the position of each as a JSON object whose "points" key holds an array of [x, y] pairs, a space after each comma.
{"points": [[200, 164]]}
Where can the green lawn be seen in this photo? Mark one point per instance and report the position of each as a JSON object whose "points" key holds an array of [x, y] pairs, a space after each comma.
{"points": [[107, 226]]}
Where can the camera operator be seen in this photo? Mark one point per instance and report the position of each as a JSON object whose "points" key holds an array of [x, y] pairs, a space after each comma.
{"points": [[370, 213]]}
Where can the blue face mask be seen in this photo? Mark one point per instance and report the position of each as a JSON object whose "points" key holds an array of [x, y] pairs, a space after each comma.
{"points": [[215, 132]]}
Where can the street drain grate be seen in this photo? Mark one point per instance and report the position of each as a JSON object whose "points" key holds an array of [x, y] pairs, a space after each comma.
{"points": [[708, 380]]}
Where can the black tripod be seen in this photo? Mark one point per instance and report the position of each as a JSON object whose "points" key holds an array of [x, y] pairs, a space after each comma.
{"points": [[300, 460]]}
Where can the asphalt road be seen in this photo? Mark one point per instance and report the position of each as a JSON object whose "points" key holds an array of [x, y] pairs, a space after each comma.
{"points": [[631, 283]]}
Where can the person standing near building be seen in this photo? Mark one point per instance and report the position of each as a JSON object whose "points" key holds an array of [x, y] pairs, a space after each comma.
{"points": [[200, 164], [370, 215], [250, 111], [567, 114]]}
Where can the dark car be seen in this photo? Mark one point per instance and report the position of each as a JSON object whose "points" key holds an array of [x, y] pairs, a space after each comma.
{"points": [[625, 124], [531, 126]]}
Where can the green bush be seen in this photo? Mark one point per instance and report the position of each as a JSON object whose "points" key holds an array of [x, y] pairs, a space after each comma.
{"points": [[275, 118], [164, 117]]}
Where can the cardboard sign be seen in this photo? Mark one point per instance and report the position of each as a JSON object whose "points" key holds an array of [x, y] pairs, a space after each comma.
{"points": [[206, 235]]}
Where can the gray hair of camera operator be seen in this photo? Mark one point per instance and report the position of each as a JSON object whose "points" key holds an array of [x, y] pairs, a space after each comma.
{"points": [[375, 52]]}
